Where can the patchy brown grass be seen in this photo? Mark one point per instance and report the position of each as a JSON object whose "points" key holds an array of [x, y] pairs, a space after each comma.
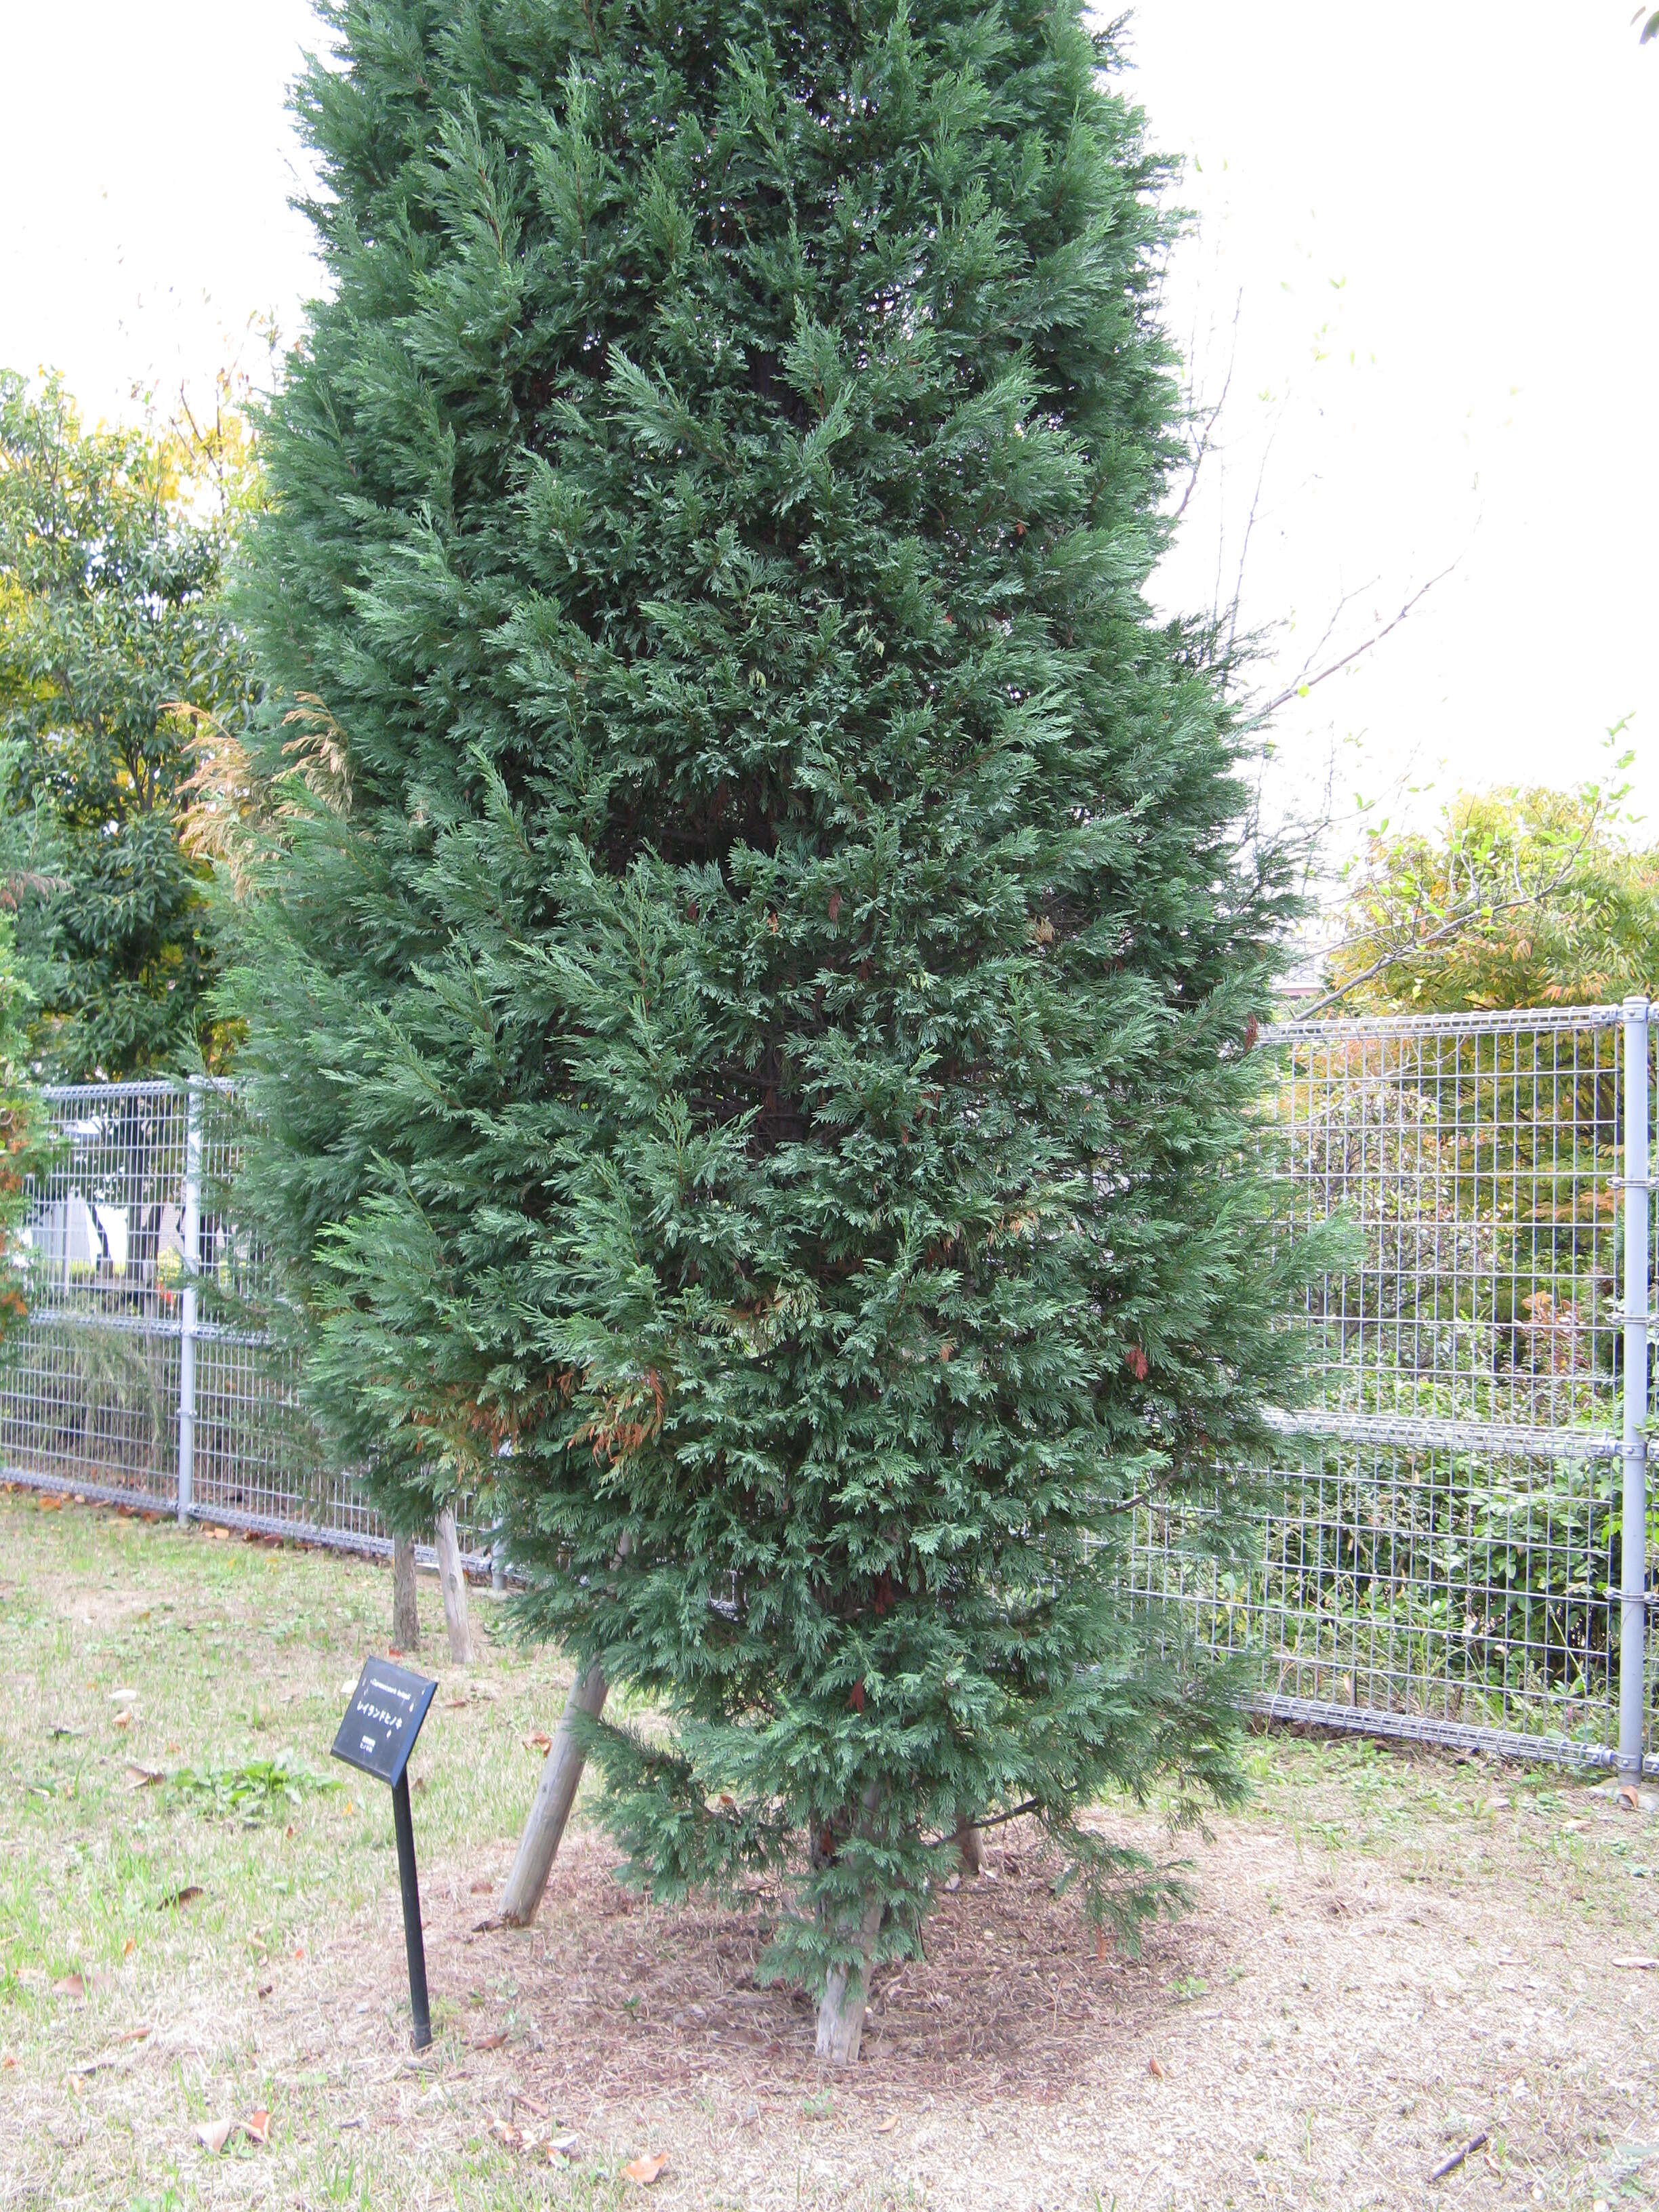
{"points": [[1388, 1953]]}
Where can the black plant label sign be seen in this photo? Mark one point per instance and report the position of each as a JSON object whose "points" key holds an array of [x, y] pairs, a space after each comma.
{"points": [[383, 1720]]}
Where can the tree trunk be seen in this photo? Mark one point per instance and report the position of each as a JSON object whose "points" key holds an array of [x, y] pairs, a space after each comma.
{"points": [[840, 2008], [556, 1793], [971, 1845], [454, 1584], [405, 1611]]}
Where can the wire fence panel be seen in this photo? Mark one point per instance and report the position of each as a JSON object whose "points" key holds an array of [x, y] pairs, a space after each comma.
{"points": [[89, 1391], [1479, 1167], [130, 1338], [1441, 1541]]}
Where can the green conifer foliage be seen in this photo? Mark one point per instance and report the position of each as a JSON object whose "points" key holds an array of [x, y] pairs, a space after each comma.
{"points": [[752, 1018]]}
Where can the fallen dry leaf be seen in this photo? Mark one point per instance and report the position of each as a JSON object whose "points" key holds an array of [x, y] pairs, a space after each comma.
{"points": [[645, 2170], [143, 1778], [216, 2136], [7, 2064], [488, 2042], [512, 2138], [69, 1985], [256, 2126], [482, 1888], [886, 2127], [135, 2034], [562, 2147], [1628, 1795], [264, 1989], [1153, 2067], [52, 1504], [187, 1895], [538, 1741], [128, 1947], [124, 1719]]}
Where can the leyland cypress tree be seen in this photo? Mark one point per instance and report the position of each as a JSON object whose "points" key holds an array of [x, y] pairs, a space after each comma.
{"points": [[752, 992]]}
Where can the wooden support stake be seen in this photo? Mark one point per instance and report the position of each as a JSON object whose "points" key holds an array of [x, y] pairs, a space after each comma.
{"points": [[405, 1611], [453, 1581], [556, 1793]]}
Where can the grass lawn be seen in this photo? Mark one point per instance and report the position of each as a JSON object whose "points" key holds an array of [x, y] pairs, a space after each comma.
{"points": [[1388, 1956]]}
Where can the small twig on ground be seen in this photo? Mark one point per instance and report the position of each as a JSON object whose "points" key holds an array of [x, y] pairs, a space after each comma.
{"points": [[1450, 2165]]}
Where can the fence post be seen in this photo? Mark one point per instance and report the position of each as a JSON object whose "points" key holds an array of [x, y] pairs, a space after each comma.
{"points": [[192, 1236], [1638, 1170]]}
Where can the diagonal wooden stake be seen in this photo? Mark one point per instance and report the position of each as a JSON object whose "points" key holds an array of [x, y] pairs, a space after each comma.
{"points": [[451, 1578], [549, 1810]]}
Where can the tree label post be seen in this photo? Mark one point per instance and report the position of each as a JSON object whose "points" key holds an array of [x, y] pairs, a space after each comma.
{"points": [[376, 1736]]}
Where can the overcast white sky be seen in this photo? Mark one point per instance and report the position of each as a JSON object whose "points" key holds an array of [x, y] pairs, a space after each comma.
{"points": [[1440, 222]]}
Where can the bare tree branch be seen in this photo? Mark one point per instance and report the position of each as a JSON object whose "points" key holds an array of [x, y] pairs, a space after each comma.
{"points": [[1303, 685], [1209, 415]]}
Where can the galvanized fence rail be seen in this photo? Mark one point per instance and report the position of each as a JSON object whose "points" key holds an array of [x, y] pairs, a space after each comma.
{"points": [[1454, 1538]]}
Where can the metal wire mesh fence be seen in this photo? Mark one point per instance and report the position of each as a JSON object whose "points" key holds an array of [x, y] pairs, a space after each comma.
{"points": [[147, 1372], [1446, 1546], [1442, 1549]]}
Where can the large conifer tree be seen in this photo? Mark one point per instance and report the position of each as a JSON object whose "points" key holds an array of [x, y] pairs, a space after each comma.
{"points": [[751, 1021]]}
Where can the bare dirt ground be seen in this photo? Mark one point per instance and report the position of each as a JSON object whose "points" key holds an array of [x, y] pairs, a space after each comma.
{"points": [[1389, 1955], [1324, 2028]]}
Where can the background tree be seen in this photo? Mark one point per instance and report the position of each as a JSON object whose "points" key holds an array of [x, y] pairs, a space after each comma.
{"points": [[750, 1032], [18, 1133], [113, 547], [1523, 899]]}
